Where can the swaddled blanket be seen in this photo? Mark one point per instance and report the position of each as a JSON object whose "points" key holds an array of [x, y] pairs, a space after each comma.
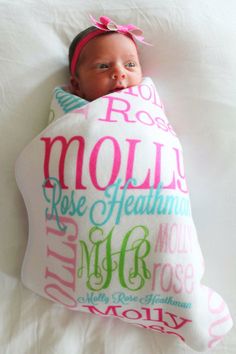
{"points": [[110, 225]]}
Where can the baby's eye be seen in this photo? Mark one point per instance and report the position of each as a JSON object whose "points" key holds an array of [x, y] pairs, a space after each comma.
{"points": [[130, 64], [102, 66]]}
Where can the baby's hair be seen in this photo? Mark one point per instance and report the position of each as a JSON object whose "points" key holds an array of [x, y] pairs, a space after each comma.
{"points": [[77, 39]]}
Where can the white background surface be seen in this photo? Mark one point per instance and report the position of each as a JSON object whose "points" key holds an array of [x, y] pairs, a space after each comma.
{"points": [[193, 63]]}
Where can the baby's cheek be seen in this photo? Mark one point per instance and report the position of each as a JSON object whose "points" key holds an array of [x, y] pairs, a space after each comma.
{"points": [[137, 79]]}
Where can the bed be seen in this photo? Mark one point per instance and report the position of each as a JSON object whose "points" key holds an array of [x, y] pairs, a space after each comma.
{"points": [[192, 62]]}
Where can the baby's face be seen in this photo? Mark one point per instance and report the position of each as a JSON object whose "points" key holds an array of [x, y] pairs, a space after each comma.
{"points": [[107, 63]]}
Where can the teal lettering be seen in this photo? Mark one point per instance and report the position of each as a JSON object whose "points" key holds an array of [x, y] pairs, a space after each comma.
{"points": [[62, 204]]}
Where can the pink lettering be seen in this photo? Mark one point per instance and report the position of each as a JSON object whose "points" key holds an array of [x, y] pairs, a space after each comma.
{"points": [[218, 307], [60, 273], [56, 293], [130, 166], [181, 173], [132, 314], [218, 327], [49, 142], [116, 158], [70, 271], [160, 329], [110, 310], [144, 118], [119, 110], [145, 92], [214, 330], [133, 157], [177, 278], [175, 318], [168, 319], [174, 238], [131, 91]]}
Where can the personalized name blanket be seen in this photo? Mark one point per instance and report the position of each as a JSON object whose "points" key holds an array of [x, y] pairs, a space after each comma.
{"points": [[110, 225]]}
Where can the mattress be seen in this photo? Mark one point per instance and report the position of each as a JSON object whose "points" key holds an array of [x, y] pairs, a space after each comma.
{"points": [[192, 62]]}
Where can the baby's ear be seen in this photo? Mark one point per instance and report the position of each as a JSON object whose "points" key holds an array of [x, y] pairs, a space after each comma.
{"points": [[75, 86]]}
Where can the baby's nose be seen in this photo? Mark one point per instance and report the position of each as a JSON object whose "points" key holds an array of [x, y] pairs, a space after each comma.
{"points": [[118, 73]]}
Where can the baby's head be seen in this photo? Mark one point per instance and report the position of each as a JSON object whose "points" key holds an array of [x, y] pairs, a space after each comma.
{"points": [[103, 61]]}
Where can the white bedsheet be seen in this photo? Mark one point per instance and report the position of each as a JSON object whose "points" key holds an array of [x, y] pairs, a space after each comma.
{"points": [[193, 63]]}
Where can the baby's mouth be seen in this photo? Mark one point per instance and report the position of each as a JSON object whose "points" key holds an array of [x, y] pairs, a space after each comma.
{"points": [[118, 88]]}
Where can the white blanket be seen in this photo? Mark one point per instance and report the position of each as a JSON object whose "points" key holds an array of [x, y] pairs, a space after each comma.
{"points": [[110, 224]]}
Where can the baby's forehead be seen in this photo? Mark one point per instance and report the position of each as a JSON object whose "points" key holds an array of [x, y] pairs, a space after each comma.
{"points": [[110, 44]]}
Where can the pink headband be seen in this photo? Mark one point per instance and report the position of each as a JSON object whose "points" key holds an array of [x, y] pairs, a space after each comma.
{"points": [[105, 25]]}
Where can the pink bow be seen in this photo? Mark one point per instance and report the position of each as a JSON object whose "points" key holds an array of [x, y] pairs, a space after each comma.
{"points": [[106, 24]]}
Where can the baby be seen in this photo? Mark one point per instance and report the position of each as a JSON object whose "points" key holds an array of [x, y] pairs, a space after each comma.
{"points": [[104, 59], [111, 230]]}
